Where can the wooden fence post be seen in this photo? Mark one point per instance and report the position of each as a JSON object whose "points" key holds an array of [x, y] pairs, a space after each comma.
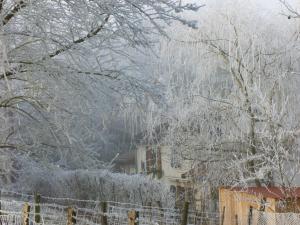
{"points": [[0, 201], [71, 214], [25, 214], [133, 217], [195, 218], [150, 210], [37, 208], [162, 214], [137, 218], [223, 216], [185, 214], [104, 210]]}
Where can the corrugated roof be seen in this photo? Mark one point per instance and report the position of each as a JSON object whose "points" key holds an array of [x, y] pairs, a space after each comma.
{"points": [[270, 192]]}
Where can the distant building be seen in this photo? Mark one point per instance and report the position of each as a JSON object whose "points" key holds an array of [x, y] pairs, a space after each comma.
{"points": [[126, 163], [237, 205], [163, 164]]}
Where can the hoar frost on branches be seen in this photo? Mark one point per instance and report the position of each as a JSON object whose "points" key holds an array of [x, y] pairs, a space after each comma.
{"points": [[65, 66], [98, 185], [231, 96]]}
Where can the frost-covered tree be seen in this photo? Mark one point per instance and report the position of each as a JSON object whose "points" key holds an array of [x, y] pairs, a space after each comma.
{"points": [[97, 185], [231, 96], [290, 9], [65, 66]]}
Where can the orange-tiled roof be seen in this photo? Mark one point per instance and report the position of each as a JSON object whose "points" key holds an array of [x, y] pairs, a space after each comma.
{"points": [[270, 192]]}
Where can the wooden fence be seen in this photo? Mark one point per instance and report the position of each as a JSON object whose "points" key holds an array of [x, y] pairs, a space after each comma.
{"points": [[20, 209]]}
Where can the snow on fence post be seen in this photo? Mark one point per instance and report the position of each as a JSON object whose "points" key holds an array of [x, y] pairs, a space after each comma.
{"points": [[37, 208], [25, 214], [185, 214], [104, 207], [71, 214], [133, 217]]}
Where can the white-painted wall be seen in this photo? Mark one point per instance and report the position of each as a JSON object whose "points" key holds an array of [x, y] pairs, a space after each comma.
{"points": [[170, 175]]}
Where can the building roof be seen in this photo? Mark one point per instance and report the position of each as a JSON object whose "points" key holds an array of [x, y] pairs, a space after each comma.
{"points": [[126, 158], [270, 192]]}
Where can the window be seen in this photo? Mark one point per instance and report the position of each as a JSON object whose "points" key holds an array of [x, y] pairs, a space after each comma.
{"points": [[173, 189], [153, 161], [180, 194], [149, 160], [175, 158], [143, 167]]}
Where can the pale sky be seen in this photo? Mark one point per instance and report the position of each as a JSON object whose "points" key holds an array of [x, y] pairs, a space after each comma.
{"points": [[262, 7]]}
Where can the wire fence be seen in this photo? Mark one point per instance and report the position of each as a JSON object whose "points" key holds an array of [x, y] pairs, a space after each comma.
{"points": [[54, 211], [265, 218], [257, 217]]}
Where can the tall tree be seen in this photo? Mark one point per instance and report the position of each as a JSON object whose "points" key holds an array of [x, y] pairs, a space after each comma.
{"points": [[62, 63], [231, 97]]}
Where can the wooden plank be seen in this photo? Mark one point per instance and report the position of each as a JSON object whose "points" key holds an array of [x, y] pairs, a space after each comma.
{"points": [[133, 217], [71, 214], [104, 207], [25, 214], [37, 208], [185, 213]]}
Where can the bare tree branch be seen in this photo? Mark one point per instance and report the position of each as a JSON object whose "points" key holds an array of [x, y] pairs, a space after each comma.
{"points": [[57, 52], [78, 41], [21, 4], [1, 5]]}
